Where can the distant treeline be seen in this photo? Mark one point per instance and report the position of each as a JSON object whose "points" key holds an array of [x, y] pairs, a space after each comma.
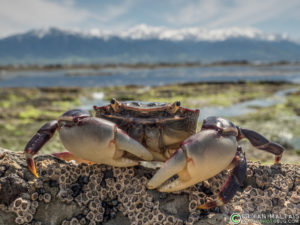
{"points": [[142, 65]]}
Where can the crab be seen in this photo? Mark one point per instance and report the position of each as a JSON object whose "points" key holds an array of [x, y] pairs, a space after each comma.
{"points": [[126, 134]]}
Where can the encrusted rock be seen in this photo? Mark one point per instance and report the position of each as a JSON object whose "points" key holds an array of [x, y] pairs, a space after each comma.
{"points": [[69, 193]]}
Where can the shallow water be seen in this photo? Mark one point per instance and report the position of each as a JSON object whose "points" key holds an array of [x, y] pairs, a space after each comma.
{"points": [[152, 77], [245, 107]]}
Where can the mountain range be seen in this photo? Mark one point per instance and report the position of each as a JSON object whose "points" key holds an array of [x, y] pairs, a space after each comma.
{"points": [[145, 44]]}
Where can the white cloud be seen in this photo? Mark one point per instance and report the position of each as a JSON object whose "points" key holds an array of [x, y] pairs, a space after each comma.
{"points": [[255, 11], [195, 12], [216, 13], [21, 15]]}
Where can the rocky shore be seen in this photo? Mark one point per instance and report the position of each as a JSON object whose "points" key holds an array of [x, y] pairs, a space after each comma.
{"points": [[69, 193]]}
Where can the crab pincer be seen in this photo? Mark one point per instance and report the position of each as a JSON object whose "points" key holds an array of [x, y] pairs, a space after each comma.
{"points": [[88, 139], [207, 153]]}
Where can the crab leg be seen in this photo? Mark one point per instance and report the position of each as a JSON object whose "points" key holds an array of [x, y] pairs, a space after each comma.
{"points": [[260, 142], [43, 135], [235, 179], [171, 167]]}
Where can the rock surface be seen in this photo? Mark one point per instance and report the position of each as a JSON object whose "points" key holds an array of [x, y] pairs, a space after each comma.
{"points": [[69, 194]]}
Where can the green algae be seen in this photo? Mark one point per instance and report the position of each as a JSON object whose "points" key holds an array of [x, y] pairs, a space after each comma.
{"points": [[24, 110]]}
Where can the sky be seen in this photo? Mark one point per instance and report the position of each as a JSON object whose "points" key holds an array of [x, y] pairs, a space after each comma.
{"points": [[270, 16]]}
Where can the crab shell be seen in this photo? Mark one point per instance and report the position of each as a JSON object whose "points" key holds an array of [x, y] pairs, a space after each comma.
{"points": [[160, 127]]}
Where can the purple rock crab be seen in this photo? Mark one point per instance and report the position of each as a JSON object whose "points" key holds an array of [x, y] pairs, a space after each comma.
{"points": [[125, 133]]}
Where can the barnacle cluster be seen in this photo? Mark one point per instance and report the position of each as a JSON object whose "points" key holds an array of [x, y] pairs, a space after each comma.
{"points": [[269, 190], [97, 194], [24, 209], [101, 192]]}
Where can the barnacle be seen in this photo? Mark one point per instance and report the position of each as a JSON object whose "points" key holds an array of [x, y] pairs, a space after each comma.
{"points": [[34, 196], [47, 197], [295, 197], [23, 209], [19, 220]]}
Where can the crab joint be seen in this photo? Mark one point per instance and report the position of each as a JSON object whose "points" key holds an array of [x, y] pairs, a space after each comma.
{"points": [[277, 158]]}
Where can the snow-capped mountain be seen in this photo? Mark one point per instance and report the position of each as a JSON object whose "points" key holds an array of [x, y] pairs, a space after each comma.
{"points": [[144, 32], [146, 44]]}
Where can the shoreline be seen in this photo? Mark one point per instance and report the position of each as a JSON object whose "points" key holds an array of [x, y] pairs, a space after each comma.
{"points": [[50, 67]]}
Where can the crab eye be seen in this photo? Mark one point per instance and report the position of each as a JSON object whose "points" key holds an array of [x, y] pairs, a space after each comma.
{"points": [[112, 101]]}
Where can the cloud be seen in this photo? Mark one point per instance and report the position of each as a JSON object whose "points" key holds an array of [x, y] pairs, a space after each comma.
{"points": [[195, 12], [19, 15], [23, 15], [255, 11], [216, 13]]}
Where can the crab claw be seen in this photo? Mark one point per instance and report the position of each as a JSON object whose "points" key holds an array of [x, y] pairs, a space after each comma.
{"points": [[124, 142], [100, 141], [172, 166], [200, 157], [89, 140]]}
